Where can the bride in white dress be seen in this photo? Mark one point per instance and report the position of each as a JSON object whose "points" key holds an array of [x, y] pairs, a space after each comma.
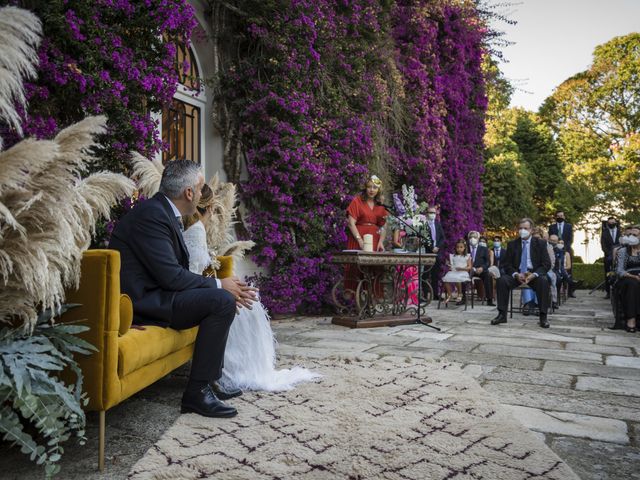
{"points": [[250, 355]]}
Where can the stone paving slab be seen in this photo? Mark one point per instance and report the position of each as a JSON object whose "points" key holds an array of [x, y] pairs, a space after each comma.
{"points": [[529, 376], [535, 334], [599, 348], [577, 368], [611, 385], [511, 341], [494, 360], [541, 353], [598, 460], [598, 404], [562, 423], [629, 362], [620, 339]]}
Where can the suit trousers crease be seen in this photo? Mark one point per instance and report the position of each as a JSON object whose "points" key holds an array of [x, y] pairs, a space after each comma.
{"points": [[213, 310], [540, 284]]}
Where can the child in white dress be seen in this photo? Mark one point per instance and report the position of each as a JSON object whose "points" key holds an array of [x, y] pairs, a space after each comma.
{"points": [[460, 264]]}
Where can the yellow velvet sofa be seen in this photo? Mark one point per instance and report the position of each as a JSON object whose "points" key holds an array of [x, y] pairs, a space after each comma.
{"points": [[127, 359]]}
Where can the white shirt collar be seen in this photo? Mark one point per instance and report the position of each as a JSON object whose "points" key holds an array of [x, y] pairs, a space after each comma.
{"points": [[176, 212]]}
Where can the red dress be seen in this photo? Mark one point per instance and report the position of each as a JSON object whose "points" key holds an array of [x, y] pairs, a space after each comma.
{"points": [[368, 220]]}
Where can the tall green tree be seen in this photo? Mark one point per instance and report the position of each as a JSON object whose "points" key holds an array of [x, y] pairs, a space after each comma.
{"points": [[596, 118]]}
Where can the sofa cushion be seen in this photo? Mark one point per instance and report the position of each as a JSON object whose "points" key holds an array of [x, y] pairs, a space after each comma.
{"points": [[138, 348]]}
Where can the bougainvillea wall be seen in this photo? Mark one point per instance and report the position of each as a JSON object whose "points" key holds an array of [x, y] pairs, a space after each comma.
{"points": [[106, 57], [325, 92]]}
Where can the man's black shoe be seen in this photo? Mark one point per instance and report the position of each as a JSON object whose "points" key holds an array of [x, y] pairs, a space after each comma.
{"points": [[572, 295], [501, 318], [205, 403], [526, 309], [490, 303], [544, 323], [225, 393], [607, 297]]}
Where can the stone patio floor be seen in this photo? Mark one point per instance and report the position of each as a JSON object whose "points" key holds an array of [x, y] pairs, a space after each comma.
{"points": [[576, 384]]}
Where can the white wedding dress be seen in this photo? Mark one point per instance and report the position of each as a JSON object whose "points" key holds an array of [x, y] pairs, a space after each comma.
{"points": [[250, 355]]}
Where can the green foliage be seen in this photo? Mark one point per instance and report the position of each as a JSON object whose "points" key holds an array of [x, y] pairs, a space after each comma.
{"points": [[596, 117], [523, 172], [591, 274], [33, 398]]}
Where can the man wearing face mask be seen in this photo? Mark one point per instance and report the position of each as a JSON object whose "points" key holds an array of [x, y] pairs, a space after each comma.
{"points": [[609, 238], [563, 230], [527, 262], [480, 262], [437, 235]]}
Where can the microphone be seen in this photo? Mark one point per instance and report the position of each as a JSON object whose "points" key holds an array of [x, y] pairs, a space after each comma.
{"points": [[388, 207]]}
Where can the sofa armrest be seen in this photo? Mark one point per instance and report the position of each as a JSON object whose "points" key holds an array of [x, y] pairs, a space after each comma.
{"points": [[100, 306], [226, 267], [126, 314]]}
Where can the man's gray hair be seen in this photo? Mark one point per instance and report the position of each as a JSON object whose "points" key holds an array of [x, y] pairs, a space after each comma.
{"points": [[473, 233], [179, 175], [527, 219]]}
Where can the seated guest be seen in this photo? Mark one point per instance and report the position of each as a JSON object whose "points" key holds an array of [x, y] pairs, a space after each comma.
{"points": [[155, 274], [480, 261], [628, 271], [562, 266], [609, 238], [529, 298], [527, 263], [460, 265], [496, 255]]}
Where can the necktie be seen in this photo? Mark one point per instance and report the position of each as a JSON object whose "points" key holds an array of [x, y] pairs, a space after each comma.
{"points": [[473, 253], [524, 258], [432, 226], [560, 229]]}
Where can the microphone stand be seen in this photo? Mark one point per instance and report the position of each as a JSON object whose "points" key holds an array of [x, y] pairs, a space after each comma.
{"points": [[421, 238]]}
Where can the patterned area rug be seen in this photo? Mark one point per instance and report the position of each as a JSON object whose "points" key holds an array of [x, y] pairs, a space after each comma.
{"points": [[363, 420]]}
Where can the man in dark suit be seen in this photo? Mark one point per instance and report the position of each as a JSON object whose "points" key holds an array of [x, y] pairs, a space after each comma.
{"points": [[437, 236], [608, 240], [155, 274], [480, 262], [527, 261], [563, 230]]}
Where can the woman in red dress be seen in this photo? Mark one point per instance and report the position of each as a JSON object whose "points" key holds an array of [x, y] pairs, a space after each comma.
{"points": [[366, 215]]}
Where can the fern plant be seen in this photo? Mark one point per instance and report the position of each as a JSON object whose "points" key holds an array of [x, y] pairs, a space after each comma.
{"points": [[38, 411]]}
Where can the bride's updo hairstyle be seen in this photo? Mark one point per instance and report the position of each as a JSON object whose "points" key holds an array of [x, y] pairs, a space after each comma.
{"points": [[206, 200]]}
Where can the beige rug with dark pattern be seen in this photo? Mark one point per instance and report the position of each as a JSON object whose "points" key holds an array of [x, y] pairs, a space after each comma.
{"points": [[364, 420]]}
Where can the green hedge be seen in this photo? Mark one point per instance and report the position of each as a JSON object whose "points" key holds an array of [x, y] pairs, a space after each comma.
{"points": [[591, 274]]}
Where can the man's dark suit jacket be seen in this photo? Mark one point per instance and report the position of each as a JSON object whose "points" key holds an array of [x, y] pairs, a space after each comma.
{"points": [[482, 257], [567, 233], [607, 241], [539, 257], [438, 242], [154, 261]]}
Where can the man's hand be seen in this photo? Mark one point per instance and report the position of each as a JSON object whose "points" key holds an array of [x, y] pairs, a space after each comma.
{"points": [[380, 246], [244, 294], [479, 270], [521, 278], [435, 249]]}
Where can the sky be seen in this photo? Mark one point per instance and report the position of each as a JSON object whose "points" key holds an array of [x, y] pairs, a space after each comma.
{"points": [[554, 39]]}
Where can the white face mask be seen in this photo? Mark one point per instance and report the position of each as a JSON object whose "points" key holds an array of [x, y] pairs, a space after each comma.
{"points": [[483, 244], [632, 240], [431, 216], [497, 244], [624, 240], [524, 233], [473, 241]]}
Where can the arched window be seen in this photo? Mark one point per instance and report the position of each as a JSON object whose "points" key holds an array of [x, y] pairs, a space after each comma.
{"points": [[182, 120]]}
